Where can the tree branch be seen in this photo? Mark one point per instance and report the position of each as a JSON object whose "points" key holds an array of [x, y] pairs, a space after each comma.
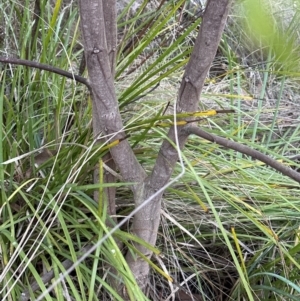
{"points": [[146, 221], [15, 61], [110, 21], [244, 150], [106, 114]]}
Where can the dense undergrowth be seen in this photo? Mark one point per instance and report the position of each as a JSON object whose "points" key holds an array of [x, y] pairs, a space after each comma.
{"points": [[230, 226]]}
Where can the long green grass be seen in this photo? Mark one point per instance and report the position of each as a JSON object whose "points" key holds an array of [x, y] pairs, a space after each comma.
{"points": [[230, 226]]}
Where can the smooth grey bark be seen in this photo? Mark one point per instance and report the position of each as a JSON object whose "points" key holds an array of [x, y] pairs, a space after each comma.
{"points": [[146, 221], [107, 119], [98, 25], [110, 21], [105, 105]]}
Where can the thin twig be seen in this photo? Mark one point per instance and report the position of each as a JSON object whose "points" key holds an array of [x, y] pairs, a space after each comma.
{"points": [[32, 64], [245, 150]]}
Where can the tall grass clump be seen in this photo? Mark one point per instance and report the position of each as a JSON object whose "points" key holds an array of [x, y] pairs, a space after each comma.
{"points": [[230, 227]]}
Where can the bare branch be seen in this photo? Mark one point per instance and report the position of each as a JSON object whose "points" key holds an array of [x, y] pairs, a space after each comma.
{"points": [[80, 79], [244, 150], [146, 221], [106, 114], [204, 52], [206, 46], [110, 20]]}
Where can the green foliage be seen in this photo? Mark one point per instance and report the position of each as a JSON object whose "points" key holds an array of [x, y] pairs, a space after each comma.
{"points": [[268, 30], [229, 227]]}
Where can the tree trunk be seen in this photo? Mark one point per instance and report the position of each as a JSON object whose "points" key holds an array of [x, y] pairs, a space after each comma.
{"points": [[146, 221], [98, 29]]}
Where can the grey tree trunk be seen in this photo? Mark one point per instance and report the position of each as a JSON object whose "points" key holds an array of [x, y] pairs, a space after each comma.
{"points": [[146, 221], [98, 25]]}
